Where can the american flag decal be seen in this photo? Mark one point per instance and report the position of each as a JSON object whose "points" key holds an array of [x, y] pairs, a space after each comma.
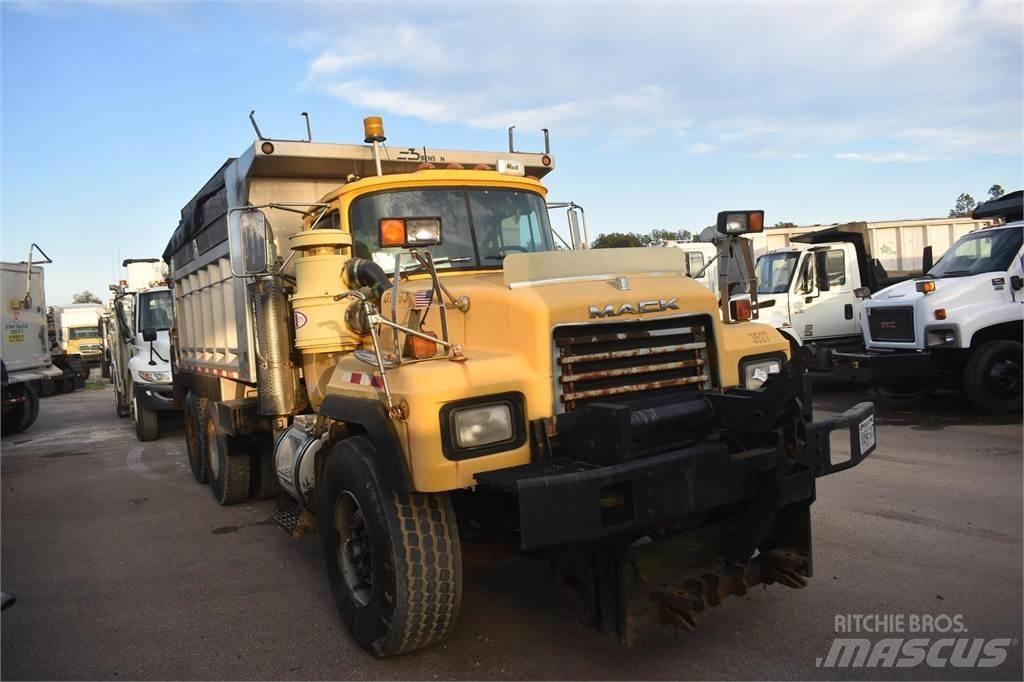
{"points": [[421, 299]]}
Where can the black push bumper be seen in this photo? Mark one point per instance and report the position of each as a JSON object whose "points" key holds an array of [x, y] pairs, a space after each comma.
{"points": [[563, 500], [156, 397], [887, 367]]}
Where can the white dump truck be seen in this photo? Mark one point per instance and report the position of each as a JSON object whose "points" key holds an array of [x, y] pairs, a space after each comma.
{"points": [[27, 368], [960, 325], [139, 346]]}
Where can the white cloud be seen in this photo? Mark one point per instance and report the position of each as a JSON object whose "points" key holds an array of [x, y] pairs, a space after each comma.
{"points": [[890, 157], [702, 148], [921, 80]]}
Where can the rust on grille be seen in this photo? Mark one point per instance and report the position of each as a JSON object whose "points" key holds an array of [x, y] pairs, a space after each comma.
{"points": [[630, 360]]}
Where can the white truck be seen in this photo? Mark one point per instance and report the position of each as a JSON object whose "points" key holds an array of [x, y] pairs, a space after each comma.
{"points": [[25, 364], [812, 290], [77, 330], [958, 326], [139, 341]]}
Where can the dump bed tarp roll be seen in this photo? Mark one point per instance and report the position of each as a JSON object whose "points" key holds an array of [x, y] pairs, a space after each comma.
{"points": [[203, 219]]}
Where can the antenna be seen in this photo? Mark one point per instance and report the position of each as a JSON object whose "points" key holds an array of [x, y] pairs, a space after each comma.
{"points": [[252, 118], [309, 131]]}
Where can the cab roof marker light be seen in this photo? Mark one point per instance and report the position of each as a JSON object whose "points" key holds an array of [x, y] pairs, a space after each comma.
{"points": [[926, 286]]}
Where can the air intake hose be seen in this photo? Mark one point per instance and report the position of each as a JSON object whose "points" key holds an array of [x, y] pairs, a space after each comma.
{"points": [[363, 272]]}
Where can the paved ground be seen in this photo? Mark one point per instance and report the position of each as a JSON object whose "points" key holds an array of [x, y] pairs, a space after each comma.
{"points": [[125, 568]]}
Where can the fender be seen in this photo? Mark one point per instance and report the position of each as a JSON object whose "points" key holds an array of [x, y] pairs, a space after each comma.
{"points": [[371, 417]]}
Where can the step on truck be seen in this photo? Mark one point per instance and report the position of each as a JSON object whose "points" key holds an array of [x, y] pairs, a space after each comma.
{"points": [[959, 326], [139, 342], [25, 364], [395, 342]]}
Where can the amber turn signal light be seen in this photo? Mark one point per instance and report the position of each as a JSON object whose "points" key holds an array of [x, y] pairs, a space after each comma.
{"points": [[392, 232], [940, 313], [925, 286], [419, 348], [740, 309]]}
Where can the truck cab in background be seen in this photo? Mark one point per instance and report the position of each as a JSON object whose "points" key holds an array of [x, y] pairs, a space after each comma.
{"points": [[77, 335], [140, 352], [958, 326], [812, 290]]}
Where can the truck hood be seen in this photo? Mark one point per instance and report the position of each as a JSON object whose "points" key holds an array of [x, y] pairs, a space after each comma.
{"points": [[948, 291], [513, 311], [139, 360]]}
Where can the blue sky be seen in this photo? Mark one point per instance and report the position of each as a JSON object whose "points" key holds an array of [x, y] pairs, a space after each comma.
{"points": [[661, 114]]}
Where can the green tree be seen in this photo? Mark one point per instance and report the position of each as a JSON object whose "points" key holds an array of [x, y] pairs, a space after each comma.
{"points": [[617, 240], [782, 224], [965, 203], [996, 191], [85, 297]]}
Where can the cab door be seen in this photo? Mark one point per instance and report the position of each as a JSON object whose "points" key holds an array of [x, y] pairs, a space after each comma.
{"points": [[820, 313]]}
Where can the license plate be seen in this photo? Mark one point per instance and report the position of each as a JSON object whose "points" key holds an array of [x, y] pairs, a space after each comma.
{"points": [[867, 435]]}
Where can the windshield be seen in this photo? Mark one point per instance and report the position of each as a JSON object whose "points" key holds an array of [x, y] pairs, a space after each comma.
{"points": [[77, 333], [978, 252], [155, 310], [479, 227], [775, 271]]}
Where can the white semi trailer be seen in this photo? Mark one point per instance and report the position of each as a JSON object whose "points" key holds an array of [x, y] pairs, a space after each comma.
{"points": [[25, 363]]}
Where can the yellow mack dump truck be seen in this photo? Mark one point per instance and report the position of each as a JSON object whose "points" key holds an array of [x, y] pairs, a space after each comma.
{"points": [[393, 339]]}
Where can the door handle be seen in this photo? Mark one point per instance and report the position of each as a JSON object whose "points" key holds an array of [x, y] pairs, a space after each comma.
{"points": [[848, 311]]}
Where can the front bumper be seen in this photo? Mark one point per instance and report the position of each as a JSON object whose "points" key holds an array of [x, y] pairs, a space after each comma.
{"points": [[156, 397], [568, 499], [887, 367]]}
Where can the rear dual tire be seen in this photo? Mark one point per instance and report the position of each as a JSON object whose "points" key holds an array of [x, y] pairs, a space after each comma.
{"points": [[228, 463], [22, 416]]}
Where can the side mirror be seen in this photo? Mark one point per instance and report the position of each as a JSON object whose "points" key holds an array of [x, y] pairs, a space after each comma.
{"points": [[821, 270], [149, 335], [250, 253], [574, 229]]}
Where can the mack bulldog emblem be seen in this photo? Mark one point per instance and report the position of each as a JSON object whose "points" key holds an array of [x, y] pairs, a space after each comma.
{"points": [[610, 310]]}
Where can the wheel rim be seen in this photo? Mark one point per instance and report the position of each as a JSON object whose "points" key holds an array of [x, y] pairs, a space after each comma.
{"points": [[355, 556], [214, 448], [1004, 378]]}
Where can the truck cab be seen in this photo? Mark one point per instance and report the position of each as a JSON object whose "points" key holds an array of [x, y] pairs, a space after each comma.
{"points": [[958, 326], [140, 356]]}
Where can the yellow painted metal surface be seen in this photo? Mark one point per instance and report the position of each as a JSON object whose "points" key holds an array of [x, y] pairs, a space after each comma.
{"points": [[506, 334]]}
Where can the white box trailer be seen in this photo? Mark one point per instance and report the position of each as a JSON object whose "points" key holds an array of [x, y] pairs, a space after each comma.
{"points": [[27, 368]]}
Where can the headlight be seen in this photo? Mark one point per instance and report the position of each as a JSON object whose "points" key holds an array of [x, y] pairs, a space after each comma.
{"points": [[756, 372], [478, 426], [481, 426], [155, 377]]}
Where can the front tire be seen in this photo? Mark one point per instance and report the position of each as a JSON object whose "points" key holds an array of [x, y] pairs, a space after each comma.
{"points": [[393, 559], [993, 377], [229, 470], [147, 427]]}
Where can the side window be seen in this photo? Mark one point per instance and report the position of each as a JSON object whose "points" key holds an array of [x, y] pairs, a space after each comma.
{"points": [[331, 221], [694, 263], [836, 261]]}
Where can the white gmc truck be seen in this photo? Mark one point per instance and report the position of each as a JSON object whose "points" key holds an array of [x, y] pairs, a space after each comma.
{"points": [[958, 326]]}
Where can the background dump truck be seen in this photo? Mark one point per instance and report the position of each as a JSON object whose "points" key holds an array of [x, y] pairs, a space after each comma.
{"points": [[397, 344], [139, 346], [25, 363]]}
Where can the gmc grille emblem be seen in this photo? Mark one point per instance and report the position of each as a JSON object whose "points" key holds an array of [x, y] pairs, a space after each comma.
{"points": [[638, 308], [887, 324]]}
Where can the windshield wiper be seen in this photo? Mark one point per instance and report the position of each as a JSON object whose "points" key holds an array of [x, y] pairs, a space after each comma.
{"points": [[415, 267]]}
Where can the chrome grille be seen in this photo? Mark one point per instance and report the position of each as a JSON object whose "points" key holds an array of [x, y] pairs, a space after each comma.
{"points": [[629, 361]]}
